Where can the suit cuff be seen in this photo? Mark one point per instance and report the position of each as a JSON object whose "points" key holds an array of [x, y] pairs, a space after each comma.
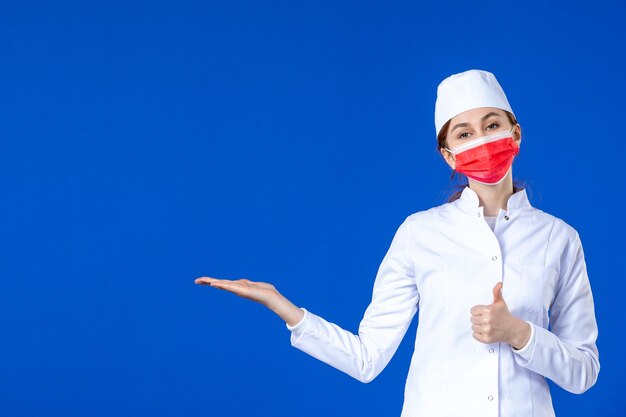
{"points": [[297, 328]]}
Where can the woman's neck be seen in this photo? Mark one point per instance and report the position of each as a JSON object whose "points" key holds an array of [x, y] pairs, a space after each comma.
{"points": [[493, 197]]}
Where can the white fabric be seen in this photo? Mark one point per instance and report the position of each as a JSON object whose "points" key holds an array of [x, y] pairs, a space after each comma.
{"points": [[445, 260], [465, 91], [491, 221]]}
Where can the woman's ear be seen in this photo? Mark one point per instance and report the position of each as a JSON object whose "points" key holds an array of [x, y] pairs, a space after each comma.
{"points": [[449, 158], [517, 134]]}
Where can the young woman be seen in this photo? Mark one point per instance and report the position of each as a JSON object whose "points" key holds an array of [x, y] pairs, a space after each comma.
{"points": [[488, 273]]}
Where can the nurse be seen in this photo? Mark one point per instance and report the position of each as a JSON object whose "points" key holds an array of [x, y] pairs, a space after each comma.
{"points": [[501, 287]]}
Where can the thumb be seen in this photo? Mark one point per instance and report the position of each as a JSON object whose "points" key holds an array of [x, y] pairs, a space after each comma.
{"points": [[497, 293]]}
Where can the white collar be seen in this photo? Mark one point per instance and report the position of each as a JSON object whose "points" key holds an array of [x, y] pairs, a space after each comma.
{"points": [[469, 202]]}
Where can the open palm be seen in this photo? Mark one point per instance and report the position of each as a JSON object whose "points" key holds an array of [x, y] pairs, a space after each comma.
{"points": [[261, 292]]}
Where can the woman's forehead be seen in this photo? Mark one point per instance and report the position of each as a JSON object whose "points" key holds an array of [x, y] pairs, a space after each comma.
{"points": [[477, 115]]}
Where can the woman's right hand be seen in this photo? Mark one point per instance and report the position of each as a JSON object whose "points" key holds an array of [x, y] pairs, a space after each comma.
{"points": [[261, 292]]}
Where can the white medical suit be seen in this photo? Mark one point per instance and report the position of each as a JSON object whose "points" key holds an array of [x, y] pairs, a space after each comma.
{"points": [[442, 262]]}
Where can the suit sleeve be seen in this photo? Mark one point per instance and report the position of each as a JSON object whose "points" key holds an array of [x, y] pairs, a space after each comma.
{"points": [[385, 322], [568, 354]]}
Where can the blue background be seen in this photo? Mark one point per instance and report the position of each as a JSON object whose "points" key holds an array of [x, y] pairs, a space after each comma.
{"points": [[144, 144]]}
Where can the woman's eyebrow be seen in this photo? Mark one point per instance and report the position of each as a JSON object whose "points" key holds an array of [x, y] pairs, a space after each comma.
{"points": [[488, 115], [482, 119]]}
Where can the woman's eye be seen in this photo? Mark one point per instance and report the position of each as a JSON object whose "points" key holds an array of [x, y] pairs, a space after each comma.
{"points": [[493, 126], [464, 135]]}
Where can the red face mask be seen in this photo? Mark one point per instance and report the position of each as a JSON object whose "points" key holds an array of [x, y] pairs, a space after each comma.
{"points": [[486, 159]]}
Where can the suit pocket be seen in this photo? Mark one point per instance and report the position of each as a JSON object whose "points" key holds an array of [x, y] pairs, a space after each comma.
{"points": [[537, 288]]}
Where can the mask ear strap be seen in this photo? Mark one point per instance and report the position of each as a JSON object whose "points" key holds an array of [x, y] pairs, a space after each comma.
{"points": [[451, 153]]}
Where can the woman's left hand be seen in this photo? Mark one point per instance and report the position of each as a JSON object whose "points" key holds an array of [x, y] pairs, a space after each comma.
{"points": [[494, 323]]}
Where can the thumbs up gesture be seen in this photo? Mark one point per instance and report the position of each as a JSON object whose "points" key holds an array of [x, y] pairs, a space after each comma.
{"points": [[494, 322]]}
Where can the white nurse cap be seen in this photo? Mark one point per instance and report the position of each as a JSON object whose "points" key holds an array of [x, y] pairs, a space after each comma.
{"points": [[466, 91]]}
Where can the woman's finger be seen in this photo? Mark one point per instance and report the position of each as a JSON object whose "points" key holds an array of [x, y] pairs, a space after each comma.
{"points": [[232, 286], [481, 328], [211, 281], [205, 280]]}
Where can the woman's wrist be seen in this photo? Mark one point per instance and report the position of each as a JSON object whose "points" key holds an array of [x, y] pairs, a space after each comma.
{"points": [[285, 309], [521, 334]]}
